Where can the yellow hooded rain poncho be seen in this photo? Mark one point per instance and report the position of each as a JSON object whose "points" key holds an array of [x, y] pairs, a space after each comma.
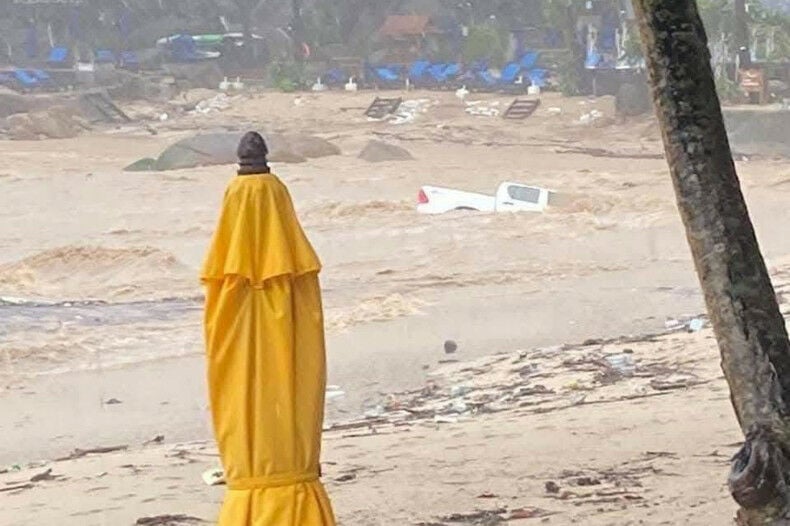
{"points": [[266, 361]]}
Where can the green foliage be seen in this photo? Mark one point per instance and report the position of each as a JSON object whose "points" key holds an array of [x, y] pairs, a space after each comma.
{"points": [[569, 76], [288, 76], [484, 43]]}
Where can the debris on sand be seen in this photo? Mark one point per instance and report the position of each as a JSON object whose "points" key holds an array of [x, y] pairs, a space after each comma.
{"points": [[169, 520], [79, 453], [489, 517], [409, 110], [214, 477], [542, 381], [481, 108]]}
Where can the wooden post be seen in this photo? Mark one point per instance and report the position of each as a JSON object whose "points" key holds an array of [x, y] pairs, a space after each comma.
{"points": [[741, 301]]}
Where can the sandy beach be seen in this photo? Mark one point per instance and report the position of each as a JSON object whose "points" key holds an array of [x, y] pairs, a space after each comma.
{"points": [[101, 340]]}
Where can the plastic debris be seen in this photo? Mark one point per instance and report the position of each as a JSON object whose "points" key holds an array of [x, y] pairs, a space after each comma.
{"points": [[480, 108], [409, 110], [217, 103], [457, 391], [622, 363], [214, 477]]}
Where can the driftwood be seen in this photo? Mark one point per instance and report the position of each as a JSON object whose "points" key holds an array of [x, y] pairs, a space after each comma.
{"points": [[741, 301], [80, 453]]}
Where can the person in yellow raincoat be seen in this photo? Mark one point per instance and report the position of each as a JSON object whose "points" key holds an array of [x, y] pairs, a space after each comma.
{"points": [[265, 349]]}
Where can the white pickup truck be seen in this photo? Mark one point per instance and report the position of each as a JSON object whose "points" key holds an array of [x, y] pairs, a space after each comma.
{"points": [[510, 197]]}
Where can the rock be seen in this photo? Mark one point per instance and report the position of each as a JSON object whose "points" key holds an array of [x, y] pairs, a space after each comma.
{"points": [[377, 151], [208, 149], [143, 165], [308, 146], [55, 123], [286, 157], [220, 148], [12, 102]]}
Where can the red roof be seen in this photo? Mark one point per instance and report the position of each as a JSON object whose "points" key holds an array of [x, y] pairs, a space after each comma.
{"points": [[406, 25]]}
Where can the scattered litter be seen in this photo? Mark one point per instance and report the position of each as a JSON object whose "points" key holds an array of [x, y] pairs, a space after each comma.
{"points": [[688, 324], [346, 477], [489, 517], [375, 412], [622, 363], [217, 103], [45, 476], [450, 347], [409, 110], [158, 439], [214, 477], [552, 487], [554, 110], [487, 495], [439, 419], [673, 382], [521, 109], [459, 406], [113, 401], [460, 390], [169, 520], [696, 325], [383, 107], [80, 453], [480, 108], [589, 118]]}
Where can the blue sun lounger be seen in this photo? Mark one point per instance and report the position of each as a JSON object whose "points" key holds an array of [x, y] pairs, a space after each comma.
{"points": [[58, 57], [418, 72], [26, 79]]}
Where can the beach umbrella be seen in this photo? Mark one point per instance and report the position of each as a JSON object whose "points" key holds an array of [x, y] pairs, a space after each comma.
{"points": [[266, 362]]}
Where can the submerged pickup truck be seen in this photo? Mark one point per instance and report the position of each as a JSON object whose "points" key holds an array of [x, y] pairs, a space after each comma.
{"points": [[510, 197]]}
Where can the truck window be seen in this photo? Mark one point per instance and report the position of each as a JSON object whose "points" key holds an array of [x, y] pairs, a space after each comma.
{"points": [[524, 193]]}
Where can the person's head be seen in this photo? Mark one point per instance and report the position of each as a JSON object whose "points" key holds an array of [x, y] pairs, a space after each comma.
{"points": [[252, 153]]}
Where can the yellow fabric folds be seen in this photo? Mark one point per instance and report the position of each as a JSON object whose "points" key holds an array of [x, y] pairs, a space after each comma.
{"points": [[266, 360]]}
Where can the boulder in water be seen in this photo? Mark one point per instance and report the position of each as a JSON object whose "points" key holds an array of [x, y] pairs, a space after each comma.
{"points": [[377, 152], [308, 146], [220, 148], [143, 165], [208, 149]]}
